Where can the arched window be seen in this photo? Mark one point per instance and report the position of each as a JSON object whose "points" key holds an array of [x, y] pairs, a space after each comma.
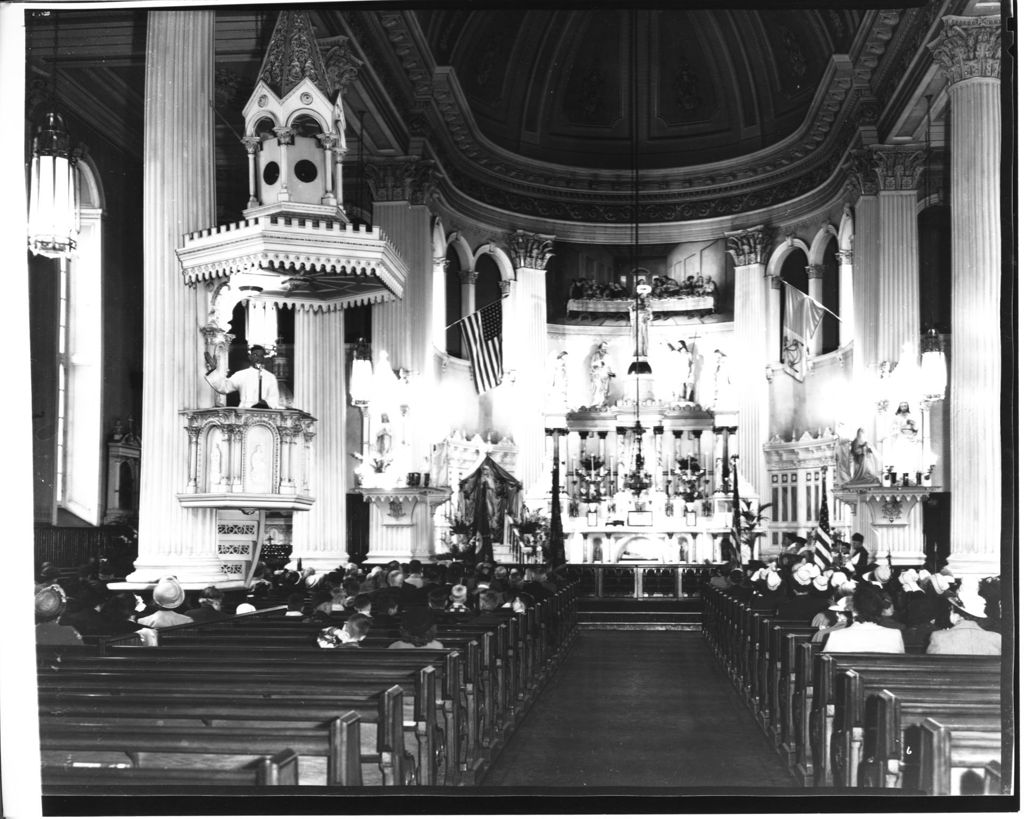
{"points": [[452, 303], [79, 435], [488, 282], [934, 271], [794, 273], [829, 329]]}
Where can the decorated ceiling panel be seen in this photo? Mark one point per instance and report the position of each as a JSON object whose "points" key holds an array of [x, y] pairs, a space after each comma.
{"points": [[556, 84]]}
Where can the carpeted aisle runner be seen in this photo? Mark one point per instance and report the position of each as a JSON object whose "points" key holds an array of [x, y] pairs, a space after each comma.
{"points": [[647, 709]]}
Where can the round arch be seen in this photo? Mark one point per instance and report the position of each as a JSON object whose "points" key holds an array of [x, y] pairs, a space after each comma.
{"points": [[816, 254], [782, 250], [501, 259], [457, 242], [90, 190]]}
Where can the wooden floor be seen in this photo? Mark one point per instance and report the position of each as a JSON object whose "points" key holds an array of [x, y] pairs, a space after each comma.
{"points": [[644, 709]]}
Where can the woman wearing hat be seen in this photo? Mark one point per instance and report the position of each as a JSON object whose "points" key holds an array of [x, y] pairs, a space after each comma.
{"points": [[966, 636], [168, 595], [865, 634], [50, 605]]}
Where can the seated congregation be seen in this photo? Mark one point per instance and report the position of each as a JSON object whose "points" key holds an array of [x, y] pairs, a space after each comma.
{"points": [[879, 679], [144, 692]]}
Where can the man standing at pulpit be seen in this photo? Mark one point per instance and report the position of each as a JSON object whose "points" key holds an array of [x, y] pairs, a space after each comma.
{"points": [[255, 385]]}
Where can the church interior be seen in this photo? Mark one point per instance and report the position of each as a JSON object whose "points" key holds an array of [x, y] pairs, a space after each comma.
{"points": [[637, 309]]}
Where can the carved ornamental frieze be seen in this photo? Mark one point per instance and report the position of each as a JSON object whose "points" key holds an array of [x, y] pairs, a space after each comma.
{"points": [[406, 179], [968, 47]]}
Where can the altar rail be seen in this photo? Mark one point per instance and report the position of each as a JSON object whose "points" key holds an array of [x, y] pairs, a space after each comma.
{"points": [[681, 304], [640, 581]]}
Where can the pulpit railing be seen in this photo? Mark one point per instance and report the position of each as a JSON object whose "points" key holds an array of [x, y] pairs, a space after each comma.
{"points": [[248, 458]]}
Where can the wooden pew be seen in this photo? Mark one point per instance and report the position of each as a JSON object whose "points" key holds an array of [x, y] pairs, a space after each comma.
{"points": [[782, 682], [948, 752], [370, 700], [267, 771], [887, 717], [827, 667], [853, 686], [440, 728], [381, 714]]}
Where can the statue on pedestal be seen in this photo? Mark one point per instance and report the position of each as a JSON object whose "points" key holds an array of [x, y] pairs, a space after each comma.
{"points": [[864, 468], [600, 376]]}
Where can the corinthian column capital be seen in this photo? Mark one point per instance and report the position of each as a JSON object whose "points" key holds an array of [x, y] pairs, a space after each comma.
{"points": [[898, 167], [749, 246], [530, 250], [968, 47]]}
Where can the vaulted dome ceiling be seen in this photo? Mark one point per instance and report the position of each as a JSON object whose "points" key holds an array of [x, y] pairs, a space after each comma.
{"points": [[558, 85]]}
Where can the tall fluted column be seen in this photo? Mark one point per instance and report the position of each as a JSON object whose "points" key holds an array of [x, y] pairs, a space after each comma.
{"points": [[179, 194], [969, 51], [864, 181], [847, 308], [899, 299], [749, 250], [318, 535], [525, 345], [404, 328], [814, 290]]}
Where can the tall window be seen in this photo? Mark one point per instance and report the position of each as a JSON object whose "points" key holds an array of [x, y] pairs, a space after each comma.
{"points": [[830, 297], [80, 455], [452, 304]]}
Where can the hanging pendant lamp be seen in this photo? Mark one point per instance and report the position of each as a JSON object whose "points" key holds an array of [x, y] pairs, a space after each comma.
{"points": [[53, 212]]}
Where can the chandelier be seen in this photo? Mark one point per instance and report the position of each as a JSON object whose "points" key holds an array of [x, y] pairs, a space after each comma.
{"points": [[53, 213]]}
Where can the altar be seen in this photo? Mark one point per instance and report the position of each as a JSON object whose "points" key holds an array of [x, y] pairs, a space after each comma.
{"points": [[671, 541]]}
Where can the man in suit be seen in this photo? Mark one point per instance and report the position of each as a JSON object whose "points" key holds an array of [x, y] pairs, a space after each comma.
{"points": [[966, 635]]}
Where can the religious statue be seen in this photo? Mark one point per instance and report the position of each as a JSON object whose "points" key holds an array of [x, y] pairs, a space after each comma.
{"points": [[559, 383], [640, 315], [724, 395], [863, 463], [902, 445], [686, 369], [600, 376], [384, 437]]}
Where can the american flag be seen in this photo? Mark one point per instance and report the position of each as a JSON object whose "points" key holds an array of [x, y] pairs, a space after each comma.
{"points": [[481, 334], [823, 536]]}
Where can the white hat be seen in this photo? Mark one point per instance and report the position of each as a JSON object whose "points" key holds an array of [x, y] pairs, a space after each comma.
{"points": [[940, 583], [245, 608], [772, 580], [838, 578], [814, 569], [908, 580], [821, 583], [802, 575], [883, 572], [849, 587], [974, 606], [168, 593]]}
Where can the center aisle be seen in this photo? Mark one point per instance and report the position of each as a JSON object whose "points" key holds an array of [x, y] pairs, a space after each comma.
{"points": [[645, 709]]}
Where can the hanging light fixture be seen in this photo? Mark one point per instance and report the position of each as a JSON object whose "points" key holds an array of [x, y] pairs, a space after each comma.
{"points": [[53, 214], [637, 480]]}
